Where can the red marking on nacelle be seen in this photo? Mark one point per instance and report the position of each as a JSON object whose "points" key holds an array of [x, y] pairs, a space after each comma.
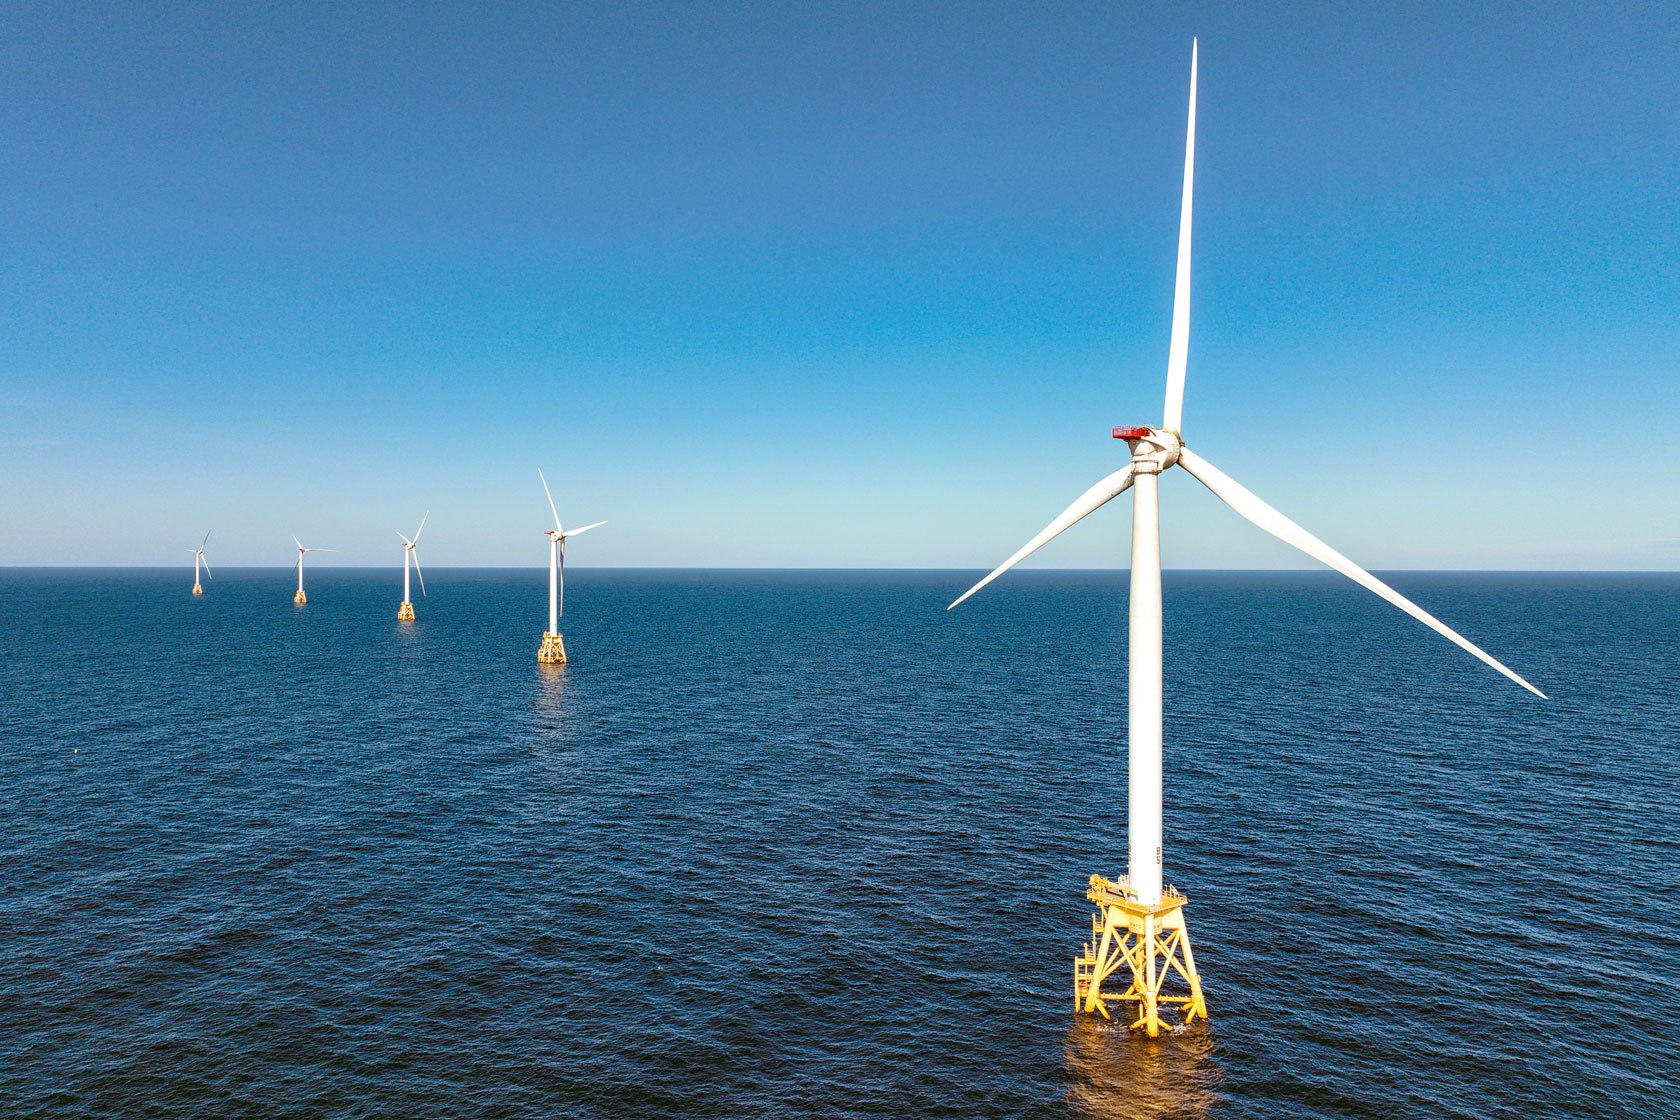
{"points": [[1131, 433]]}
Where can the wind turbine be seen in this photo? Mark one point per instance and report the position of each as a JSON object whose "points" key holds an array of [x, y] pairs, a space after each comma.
{"points": [[198, 558], [300, 599], [1138, 924], [553, 650], [405, 613]]}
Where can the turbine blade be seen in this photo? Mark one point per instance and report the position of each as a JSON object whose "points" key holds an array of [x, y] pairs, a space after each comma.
{"points": [[551, 508], [422, 528], [207, 570], [1178, 355], [1106, 490], [1241, 499], [417, 570], [297, 542], [404, 539], [585, 529]]}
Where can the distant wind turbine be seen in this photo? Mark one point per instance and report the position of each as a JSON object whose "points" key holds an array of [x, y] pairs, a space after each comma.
{"points": [[198, 558], [1139, 925], [405, 613], [553, 649], [299, 598]]}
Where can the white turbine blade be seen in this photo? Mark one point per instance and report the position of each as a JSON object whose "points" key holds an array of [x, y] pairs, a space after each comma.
{"points": [[1244, 501], [585, 529], [207, 570], [404, 539], [417, 570], [1178, 354], [204, 542], [1106, 490], [551, 508], [422, 528]]}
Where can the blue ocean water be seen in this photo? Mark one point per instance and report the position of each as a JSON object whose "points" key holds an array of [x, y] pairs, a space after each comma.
{"points": [[803, 844]]}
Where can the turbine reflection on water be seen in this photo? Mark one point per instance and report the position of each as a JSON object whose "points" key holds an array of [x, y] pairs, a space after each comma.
{"points": [[551, 691], [1114, 1074]]}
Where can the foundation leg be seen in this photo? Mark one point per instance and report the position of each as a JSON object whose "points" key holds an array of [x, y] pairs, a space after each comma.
{"points": [[1100, 970], [1198, 1006], [1151, 1023]]}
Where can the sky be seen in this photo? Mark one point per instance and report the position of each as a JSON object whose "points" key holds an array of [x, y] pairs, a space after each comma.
{"points": [[835, 284]]}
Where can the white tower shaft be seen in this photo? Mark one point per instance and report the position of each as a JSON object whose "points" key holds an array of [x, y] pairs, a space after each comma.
{"points": [[408, 555], [300, 569], [1143, 690], [554, 585]]}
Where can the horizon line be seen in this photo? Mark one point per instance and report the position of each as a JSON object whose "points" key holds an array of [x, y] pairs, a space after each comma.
{"points": [[322, 566]]}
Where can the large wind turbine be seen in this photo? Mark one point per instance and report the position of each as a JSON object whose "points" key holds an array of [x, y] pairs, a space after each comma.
{"points": [[1139, 925], [300, 598], [405, 613], [553, 649], [198, 558]]}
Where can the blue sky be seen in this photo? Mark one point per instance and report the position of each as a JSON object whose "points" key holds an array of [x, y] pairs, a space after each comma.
{"points": [[835, 284]]}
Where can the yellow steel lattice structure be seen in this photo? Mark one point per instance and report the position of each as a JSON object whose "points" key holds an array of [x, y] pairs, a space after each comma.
{"points": [[1148, 943], [552, 651]]}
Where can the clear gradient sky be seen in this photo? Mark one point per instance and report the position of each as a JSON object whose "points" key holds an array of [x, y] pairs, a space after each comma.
{"points": [[835, 285]]}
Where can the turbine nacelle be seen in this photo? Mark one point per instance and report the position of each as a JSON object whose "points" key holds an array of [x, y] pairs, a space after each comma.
{"points": [[1153, 449], [562, 534]]}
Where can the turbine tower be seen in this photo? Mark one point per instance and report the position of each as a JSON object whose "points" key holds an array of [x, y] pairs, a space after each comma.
{"points": [[405, 613], [553, 649], [1139, 924], [300, 599], [198, 559]]}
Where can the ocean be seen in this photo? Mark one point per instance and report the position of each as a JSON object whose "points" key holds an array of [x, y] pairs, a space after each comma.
{"points": [[804, 844]]}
